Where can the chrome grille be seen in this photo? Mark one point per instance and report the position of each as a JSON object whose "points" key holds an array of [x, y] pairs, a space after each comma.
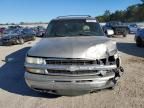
{"points": [[79, 61], [71, 62], [52, 61]]}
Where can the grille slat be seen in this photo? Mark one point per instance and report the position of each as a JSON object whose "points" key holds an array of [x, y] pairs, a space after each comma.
{"points": [[69, 62], [66, 72]]}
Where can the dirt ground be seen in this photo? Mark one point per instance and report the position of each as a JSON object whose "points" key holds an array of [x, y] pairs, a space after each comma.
{"points": [[129, 93]]}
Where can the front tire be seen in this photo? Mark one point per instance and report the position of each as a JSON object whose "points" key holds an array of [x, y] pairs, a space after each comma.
{"points": [[33, 38], [21, 41], [125, 33], [139, 42]]}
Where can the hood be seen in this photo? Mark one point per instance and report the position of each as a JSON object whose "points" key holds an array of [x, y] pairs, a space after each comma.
{"points": [[92, 47]]}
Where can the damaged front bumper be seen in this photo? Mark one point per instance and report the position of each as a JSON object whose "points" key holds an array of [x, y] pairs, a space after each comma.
{"points": [[72, 84], [68, 85]]}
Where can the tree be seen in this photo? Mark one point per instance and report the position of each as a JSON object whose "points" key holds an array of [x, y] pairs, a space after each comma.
{"points": [[134, 13], [107, 15]]}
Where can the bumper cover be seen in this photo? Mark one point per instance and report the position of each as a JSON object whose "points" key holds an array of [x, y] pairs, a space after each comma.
{"points": [[68, 85], [72, 67]]}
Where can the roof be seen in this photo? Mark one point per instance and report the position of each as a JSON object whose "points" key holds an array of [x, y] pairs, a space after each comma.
{"points": [[70, 17]]}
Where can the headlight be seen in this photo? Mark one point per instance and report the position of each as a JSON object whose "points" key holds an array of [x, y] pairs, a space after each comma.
{"points": [[34, 60], [113, 52]]}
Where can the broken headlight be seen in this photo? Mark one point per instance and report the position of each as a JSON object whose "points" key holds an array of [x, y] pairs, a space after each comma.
{"points": [[113, 52]]}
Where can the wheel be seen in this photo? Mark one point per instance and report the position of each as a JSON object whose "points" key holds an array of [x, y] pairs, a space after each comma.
{"points": [[125, 33], [17, 41], [113, 87], [21, 41], [42, 35], [129, 31], [139, 42], [33, 38]]}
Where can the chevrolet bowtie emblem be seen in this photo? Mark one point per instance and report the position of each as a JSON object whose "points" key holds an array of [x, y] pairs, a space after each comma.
{"points": [[72, 68]]}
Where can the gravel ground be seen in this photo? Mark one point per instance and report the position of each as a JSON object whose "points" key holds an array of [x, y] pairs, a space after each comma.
{"points": [[128, 94]]}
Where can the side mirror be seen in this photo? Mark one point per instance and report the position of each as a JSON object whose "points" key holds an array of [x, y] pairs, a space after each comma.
{"points": [[109, 32]]}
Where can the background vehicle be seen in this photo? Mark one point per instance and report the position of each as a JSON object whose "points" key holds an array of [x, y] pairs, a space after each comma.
{"points": [[74, 58], [139, 38], [2, 31], [17, 36], [119, 28], [39, 30], [133, 28]]}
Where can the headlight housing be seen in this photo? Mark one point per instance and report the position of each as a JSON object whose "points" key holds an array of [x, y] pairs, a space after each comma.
{"points": [[112, 48], [96, 51], [113, 51], [34, 60]]}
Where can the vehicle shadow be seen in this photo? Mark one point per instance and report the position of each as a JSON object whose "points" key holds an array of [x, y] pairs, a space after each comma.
{"points": [[12, 76], [131, 49]]}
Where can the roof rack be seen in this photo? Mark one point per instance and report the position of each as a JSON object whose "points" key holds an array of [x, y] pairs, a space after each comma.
{"points": [[73, 16]]}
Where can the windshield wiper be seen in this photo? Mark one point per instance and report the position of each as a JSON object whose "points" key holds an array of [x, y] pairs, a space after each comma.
{"points": [[85, 34], [59, 35]]}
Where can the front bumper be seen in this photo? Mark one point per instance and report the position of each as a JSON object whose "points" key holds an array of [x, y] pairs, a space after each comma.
{"points": [[66, 85], [9, 42]]}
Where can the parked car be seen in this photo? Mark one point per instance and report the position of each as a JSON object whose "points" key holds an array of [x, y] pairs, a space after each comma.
{"points": [[74, 58], [139, 38], [118, 27], [39, 31], [14, 27], [17, 36], [133, 28], [2, 30]]}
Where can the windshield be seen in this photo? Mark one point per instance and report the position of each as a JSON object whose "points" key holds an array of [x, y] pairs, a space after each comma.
{"points": [[68, 28], [28, 31]]}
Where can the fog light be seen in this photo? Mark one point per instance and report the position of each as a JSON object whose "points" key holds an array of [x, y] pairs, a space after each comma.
{"points": [[37, 71]]}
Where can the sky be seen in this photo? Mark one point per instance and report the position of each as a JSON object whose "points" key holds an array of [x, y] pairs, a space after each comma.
{"points": [[15, 11]]}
